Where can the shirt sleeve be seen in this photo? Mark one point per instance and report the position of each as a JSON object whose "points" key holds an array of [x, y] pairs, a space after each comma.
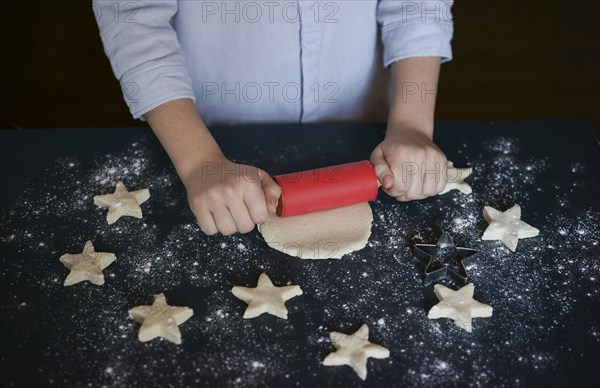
{"points": [[144, 52], [415, 29]]}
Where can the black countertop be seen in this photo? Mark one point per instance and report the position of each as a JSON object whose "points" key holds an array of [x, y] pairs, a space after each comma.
{"points": [[545, 330]]}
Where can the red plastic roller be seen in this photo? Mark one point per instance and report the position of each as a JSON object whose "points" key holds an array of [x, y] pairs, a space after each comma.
{"points": [[326, 188]]}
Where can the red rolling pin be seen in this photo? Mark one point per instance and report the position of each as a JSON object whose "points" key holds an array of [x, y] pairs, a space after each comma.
{"points": [[326, 188]]}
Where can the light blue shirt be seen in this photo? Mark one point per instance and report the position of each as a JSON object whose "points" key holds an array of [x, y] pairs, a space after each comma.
{"points": [[268, 61]]}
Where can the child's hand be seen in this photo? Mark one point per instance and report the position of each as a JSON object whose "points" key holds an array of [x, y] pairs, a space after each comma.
{"points": [[228, 197], [409, 165]]}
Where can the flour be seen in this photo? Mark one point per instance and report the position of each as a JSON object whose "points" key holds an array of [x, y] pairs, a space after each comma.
{"points": [[380, 286]]}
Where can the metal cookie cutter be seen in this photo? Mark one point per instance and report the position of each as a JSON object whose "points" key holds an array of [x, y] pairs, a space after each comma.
{"points": [[445, 261]]}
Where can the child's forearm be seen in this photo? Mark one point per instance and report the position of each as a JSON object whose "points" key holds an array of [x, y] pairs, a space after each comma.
{"points": [[414, 92], [225, 203], [184, 135], [408, 139]]}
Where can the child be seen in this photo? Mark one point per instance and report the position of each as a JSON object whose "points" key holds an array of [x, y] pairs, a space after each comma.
{"points": [[185, 64]]}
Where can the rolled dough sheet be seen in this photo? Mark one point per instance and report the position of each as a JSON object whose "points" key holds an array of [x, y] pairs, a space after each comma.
{"points": [[327, 234]]}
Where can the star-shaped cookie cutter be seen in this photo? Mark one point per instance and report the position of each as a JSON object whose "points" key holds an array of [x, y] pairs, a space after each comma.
{"points": [[445, 261]]}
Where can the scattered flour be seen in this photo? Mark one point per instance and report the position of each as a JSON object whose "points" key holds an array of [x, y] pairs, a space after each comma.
{"points": [[380, 285]]}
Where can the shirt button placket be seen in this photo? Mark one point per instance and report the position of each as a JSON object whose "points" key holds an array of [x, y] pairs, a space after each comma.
{"points": [[311, 42]]}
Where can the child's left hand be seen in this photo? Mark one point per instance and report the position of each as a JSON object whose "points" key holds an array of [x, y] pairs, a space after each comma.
{"points": [[409, 165]]}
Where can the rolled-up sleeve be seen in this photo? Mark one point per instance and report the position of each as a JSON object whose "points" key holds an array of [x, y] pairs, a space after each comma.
{"points": [[415, 28], [144, 52]]}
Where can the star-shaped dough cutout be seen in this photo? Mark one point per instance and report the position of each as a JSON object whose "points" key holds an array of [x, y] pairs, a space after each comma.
{"points": [[458, 306], [353, 350], [122, 202], [160, 320], [507, 226], [445, 261], [266, 298], [456, 179], [87, 265]]}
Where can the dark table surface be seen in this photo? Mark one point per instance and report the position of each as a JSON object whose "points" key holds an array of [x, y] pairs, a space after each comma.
{"points": [[545, 330]]}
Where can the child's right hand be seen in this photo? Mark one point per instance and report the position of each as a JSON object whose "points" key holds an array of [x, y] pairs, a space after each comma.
{"points": [[224, 196], [227, 197]]}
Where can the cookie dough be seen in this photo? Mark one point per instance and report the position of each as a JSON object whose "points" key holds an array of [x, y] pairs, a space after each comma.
{"points": [[458, 306], [456, 179], [266, 298], [122, 203], [160, 320], [507, 226], [87, 265], [353, 350], [327, 234]]}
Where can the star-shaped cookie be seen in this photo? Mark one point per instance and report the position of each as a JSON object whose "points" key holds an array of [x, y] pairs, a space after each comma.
{"points": [[507, 226], [87, 265], [456, 179], [266, 298], [353, 350], [459, 306], [122, 202], [445, 261], [160, 320]]}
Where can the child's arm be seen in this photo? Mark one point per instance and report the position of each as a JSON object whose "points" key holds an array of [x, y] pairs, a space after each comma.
{"points": [[224, 196], [408, 163]]}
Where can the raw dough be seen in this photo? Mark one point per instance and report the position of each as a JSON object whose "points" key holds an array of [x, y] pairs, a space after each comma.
{"points": [[122, 202], [353, 350], [507, 226], [87, 265], [456, 179], [459, 306], [160, 320], [266, 298], [327, 234]]}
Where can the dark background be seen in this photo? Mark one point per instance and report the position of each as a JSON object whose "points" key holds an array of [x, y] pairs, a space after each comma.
{"points": [[513, 60], [544, 331]]}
